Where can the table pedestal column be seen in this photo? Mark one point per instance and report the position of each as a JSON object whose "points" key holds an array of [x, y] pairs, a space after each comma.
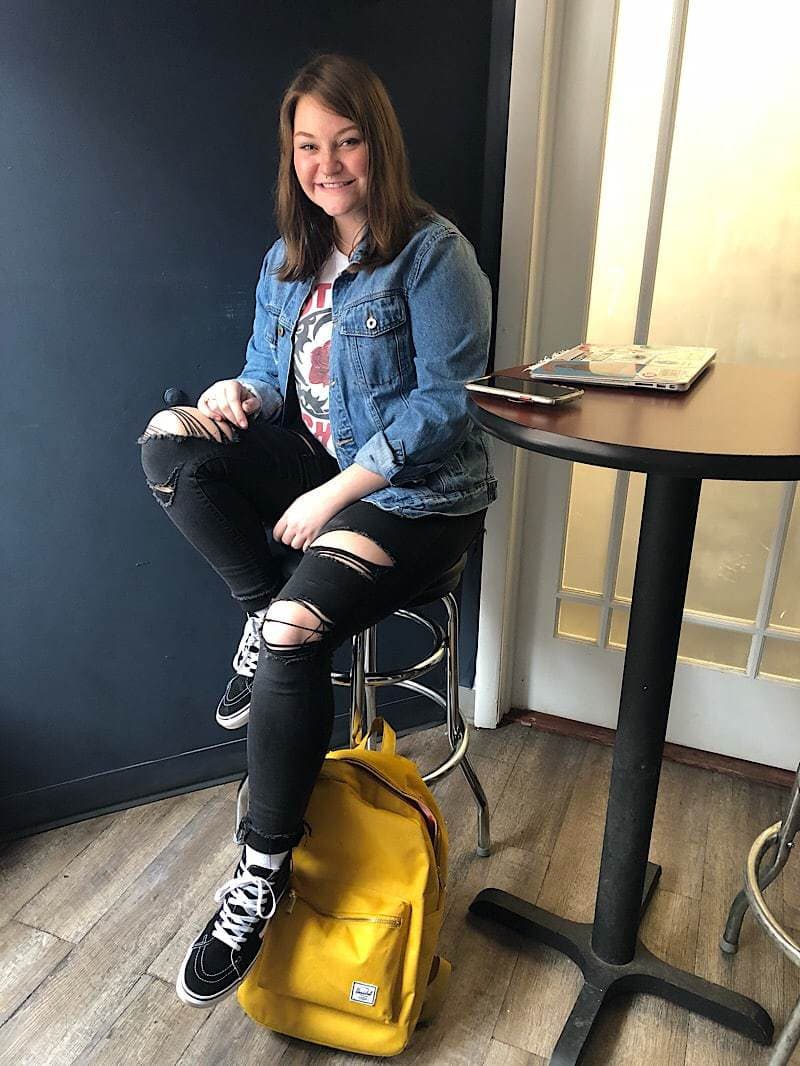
{"points": [[608, 951]]}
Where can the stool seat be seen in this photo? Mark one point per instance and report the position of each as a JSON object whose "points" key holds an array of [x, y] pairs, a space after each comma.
{"points": [[446, 582]]}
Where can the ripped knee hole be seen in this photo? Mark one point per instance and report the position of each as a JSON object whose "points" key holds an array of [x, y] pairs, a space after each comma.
{"points": [[293, 623], [182, 422], [354, 545]]}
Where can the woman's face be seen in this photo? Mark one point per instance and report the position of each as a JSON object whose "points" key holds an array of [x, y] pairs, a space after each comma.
{"points": [[331, 163]]}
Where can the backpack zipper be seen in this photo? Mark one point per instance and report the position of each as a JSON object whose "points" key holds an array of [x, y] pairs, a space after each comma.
{"points": [[428, 816], [375, 919]]}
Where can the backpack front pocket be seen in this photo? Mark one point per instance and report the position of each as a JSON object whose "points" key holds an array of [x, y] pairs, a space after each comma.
{"points": [[337, 947]]}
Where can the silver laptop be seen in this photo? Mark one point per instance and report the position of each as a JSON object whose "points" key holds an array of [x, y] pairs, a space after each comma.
{"points": [[640, 366]]}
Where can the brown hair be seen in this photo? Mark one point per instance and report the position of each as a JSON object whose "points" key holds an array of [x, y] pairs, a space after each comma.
{"points": [[348, 88]]}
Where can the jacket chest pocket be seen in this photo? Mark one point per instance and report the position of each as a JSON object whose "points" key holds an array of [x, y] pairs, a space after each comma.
{"points": [[377, 338]]}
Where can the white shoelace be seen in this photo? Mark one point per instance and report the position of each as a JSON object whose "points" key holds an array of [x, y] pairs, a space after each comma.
{"points": [[233, 929], [246, 658]]}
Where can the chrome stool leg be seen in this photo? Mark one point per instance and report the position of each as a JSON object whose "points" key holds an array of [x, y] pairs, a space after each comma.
{"points": [[364, 678], [370, 696], [357, 690], [456, 726], [242, 804], [787, 1041], [767, 841], [779, 852]]}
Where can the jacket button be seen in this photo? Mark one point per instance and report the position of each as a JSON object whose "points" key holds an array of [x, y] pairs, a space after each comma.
{"points": [[280, 331], [371, 323]]}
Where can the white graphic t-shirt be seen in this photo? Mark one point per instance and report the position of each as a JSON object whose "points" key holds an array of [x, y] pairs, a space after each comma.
{"points": [[312, 345]]}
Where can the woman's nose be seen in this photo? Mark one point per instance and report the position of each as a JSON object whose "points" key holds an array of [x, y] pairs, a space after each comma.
{"points": [[330, 163]]}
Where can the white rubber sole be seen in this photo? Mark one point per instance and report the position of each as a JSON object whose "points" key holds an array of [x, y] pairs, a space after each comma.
{"points": [[187, 997], [234, 721]]}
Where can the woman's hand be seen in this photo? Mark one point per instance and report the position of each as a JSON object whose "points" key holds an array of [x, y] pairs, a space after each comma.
{"points": [[229, 401], [303, 519], [301, 522]]}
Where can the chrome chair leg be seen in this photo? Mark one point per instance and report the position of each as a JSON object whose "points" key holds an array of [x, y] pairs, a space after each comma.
{"points": [[457, 728], [788, 1040], [370, 697], [242, 804], [766, 841], [779, 853], [363, 707], [357, 690]]}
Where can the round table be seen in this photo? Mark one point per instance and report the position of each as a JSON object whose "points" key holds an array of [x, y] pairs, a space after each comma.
{"points": [[737, 422]]}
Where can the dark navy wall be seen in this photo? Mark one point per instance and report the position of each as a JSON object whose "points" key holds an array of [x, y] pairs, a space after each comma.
{"points": [[138, 157]]}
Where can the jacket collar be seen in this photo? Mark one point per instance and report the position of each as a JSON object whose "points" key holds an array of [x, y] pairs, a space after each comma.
{"points": [[360, 250]]}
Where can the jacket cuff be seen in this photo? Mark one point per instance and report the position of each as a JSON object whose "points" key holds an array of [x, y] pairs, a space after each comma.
{"points": [[382, 457], [271, 401]]}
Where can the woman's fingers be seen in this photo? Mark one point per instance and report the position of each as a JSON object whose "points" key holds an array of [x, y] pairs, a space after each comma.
{"points": [[223, 396], [208, 405], [223, 402], [299, 539], [203, 404], [233, 394]]}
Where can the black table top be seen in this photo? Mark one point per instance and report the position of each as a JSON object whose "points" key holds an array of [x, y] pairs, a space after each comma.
{"points": [[737, 422]]}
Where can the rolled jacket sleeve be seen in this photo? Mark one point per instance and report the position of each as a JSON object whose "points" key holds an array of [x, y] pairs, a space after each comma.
{"points": [[260, 373], [450, 311]]}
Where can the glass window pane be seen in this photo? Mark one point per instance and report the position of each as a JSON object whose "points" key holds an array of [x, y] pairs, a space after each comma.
{"points": [[703, 644], [640, 54], [630, 537], [728, 261], [781, 659], [618, 633], [729, 254], [735, 526], [580, 621], [786, 605], [717, 647], [591, 500]]}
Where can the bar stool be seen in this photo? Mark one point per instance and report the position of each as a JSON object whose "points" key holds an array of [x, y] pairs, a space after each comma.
{"points": [[364, 679], [778, 839]]}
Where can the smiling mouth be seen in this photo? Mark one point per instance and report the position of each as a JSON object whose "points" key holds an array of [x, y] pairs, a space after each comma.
{"points": [[335, 184]]}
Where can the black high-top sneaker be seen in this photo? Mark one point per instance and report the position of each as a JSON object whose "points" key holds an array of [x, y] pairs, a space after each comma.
{"points": [[233, 709], [226, 949]]}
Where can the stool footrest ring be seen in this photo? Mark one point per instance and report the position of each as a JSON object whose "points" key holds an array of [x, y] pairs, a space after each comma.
{"points": [[755, 896]]}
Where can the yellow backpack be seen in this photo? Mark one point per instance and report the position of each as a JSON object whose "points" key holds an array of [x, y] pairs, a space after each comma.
{"points": [[349, 959]]}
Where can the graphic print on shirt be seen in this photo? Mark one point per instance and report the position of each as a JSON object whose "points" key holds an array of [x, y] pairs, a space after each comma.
{"points": [[312, 345]]}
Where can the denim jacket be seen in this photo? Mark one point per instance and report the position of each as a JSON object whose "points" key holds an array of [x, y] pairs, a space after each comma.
{"points": [[405, 339]]}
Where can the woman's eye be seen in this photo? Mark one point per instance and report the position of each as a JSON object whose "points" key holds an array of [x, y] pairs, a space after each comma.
{"points": [[346, 141]]}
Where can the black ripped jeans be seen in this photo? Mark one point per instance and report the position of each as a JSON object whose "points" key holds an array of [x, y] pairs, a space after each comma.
{"points": [[222, 495]]}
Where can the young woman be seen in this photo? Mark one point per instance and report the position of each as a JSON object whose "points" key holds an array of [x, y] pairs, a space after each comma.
{"points": [[346, 436]]}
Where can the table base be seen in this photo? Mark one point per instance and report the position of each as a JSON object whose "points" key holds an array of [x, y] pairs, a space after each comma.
{"points": [[603, 980]]}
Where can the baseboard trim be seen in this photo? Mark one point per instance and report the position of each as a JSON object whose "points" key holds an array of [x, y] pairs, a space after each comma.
{"points": [[705, 760]]}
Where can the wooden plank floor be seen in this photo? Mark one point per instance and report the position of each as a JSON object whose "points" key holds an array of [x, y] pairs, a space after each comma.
{"points": [[96, 918]]}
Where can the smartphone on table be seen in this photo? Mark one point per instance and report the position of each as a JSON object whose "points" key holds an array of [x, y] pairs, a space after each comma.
{"points": [[524, 390]]}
